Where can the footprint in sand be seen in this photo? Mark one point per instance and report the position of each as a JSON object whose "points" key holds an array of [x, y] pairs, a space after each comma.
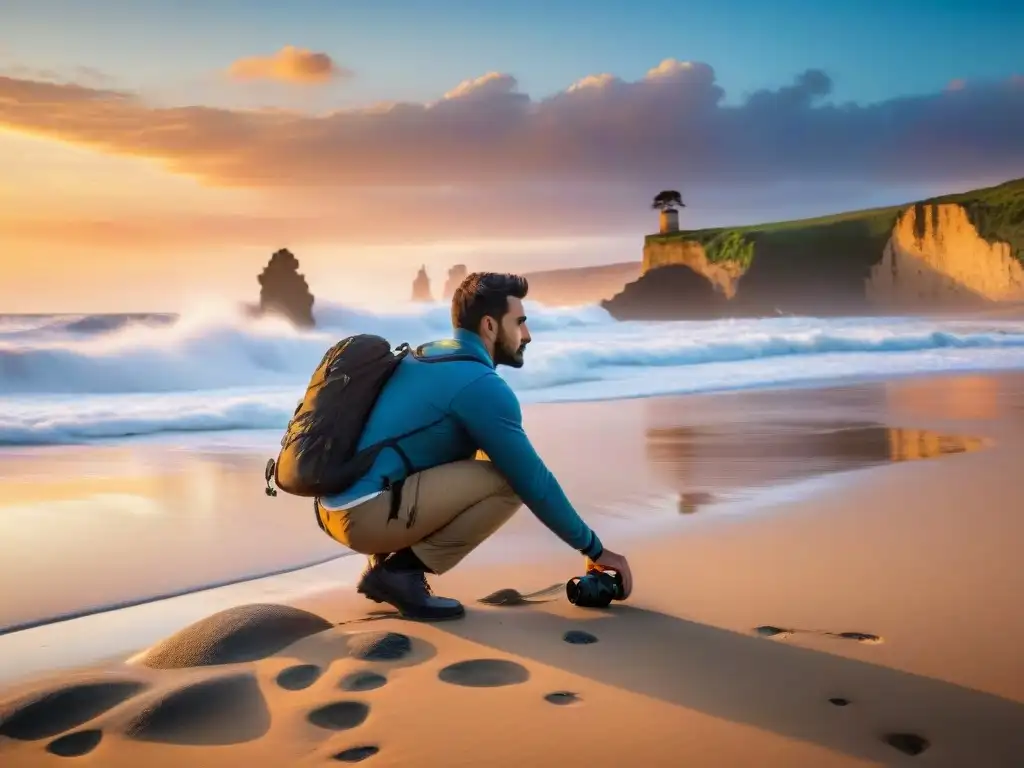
{"points": [[339, 716], [356, 754], [907, 743], [860, 637], [362, 681], [484, 673], [770, 631], [562, 698], [579, 637], [222, 710], [299, 676], [379, 646], [75, 744], [49, 713], [782, 633]]}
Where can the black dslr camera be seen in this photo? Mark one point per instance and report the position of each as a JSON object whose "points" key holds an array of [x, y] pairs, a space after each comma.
{"points": [[595, 589]]}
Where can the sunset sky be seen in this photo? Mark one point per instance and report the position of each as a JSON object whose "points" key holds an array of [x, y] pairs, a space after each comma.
{"points": [[153, 153]]}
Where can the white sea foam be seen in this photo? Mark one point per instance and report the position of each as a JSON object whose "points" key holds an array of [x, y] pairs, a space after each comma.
{"points": [[72, 378]]}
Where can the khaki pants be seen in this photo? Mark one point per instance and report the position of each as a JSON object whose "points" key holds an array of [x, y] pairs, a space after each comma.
{"points": [[444, 513]]}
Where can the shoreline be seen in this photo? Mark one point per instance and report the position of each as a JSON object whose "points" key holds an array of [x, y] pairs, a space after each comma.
{"points": [[181, 437], [573, 438], [146, 599], [754, 501], [728, 504]]}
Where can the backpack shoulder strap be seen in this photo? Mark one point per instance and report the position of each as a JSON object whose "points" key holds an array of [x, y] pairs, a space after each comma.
{"points": [[394, 443]]}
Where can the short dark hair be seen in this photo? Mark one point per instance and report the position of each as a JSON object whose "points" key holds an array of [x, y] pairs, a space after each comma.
{"points": [[485, 294]]}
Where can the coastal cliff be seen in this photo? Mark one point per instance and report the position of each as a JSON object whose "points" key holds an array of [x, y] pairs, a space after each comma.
{"points": [[694, 297], [957, 250], [936, 258], [724, 268]]}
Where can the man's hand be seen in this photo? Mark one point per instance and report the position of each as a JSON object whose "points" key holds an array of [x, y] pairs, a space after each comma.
{"points": [[610, 561]]}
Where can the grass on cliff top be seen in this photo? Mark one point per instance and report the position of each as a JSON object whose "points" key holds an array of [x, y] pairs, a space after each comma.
{"points": [[996, 212]]}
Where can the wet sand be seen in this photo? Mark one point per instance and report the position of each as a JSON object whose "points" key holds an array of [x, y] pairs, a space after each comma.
{"points": [[92, 526], [847, 620]]}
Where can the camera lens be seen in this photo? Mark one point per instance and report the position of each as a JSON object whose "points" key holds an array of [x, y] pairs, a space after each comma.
{"points": [[573, 587], [594, 590]]}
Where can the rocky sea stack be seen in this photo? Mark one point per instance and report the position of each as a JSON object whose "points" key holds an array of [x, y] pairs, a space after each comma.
{"points": [[421, 286], [284, 291]]}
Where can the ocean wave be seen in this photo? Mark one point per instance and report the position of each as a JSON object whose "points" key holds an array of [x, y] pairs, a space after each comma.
{"points": [[52, 422], [215, 369], [211, 349]]}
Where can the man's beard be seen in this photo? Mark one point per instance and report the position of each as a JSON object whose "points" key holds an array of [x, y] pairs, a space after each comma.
{"points": [[503, 357]]}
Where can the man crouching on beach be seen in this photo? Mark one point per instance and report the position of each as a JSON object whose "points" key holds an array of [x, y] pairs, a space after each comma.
{"points": [[445, 503]]}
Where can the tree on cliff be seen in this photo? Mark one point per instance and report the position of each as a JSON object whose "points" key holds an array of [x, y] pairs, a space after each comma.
{"points": [[668, 199]]}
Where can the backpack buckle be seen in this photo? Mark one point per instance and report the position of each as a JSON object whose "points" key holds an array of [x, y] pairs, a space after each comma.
{"points": [[268, 475]]}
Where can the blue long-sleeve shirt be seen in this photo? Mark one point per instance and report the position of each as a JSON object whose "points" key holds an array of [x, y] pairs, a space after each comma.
{"points": [[465, 406]]}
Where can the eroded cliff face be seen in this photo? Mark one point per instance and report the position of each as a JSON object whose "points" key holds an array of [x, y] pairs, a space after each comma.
{"points": [[936, 258], [723, 275]]}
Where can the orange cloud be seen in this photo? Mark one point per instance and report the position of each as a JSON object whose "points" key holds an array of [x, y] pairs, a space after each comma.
{"points": [[671, 128], [289, 65], [82, 75], [352, 218]]}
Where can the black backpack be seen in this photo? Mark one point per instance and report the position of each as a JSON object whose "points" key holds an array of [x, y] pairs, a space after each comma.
{"points": [[319, 455]]}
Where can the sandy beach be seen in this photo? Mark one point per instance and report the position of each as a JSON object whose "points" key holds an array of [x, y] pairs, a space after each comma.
{"points": [[863, 610]]}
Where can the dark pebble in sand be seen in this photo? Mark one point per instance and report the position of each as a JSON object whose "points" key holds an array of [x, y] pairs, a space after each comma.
{"points": [[362, 681], [379, 646], [298, 677], [484, 673], [504, 597], [356, 754], [769, 631], [562, 698], [578, 637], [839, 701], [861, 637], [340, 716], [75, 744], [907, 743]]}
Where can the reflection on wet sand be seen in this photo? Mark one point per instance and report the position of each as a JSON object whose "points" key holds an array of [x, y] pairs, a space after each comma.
{"points": [[112, 523], [747, 455], [977, 398], [691, 501]]}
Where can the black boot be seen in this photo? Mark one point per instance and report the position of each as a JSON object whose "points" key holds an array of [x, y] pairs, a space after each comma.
{"points": [[408, 591]]}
